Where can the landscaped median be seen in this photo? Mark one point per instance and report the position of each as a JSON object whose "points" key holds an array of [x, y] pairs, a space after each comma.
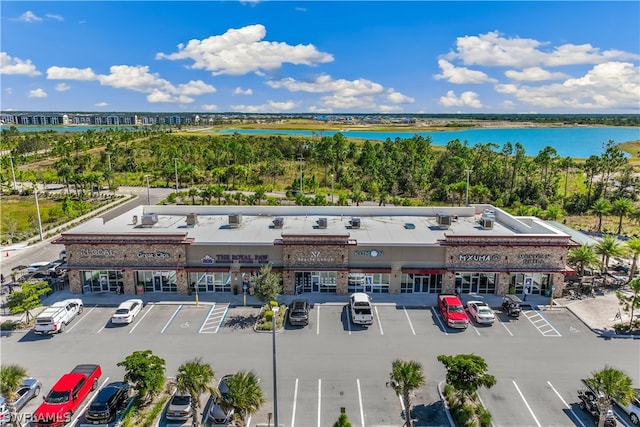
{"points": [[265, 318]]}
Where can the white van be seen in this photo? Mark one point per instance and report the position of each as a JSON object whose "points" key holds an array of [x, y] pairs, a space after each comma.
{"points": [[54, 318]]}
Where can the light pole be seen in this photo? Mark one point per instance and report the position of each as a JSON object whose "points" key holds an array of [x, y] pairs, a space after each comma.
{"points": [[301, 159], [148, 191], [275, 374], [332, 189], [35, 192], [13, 173], [466, 199], [108, 153], [175, 166]]}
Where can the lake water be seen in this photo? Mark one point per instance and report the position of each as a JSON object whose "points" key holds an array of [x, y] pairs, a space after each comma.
{"points": [[576, 142]]}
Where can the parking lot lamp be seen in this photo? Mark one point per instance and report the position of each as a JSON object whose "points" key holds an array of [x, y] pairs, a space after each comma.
{"points": [[13, 174], [35, 192], [275, 374], [301, 159], [332, 189], [466, 199], [175, 166]]}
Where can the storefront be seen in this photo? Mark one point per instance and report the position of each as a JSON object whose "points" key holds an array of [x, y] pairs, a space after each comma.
{"points": [[334, 250]]}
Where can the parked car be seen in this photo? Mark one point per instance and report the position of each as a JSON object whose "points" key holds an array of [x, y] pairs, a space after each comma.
{"points": [[511, 305], [220, 411], [481, 312], [633, 408], [179, 408], [126, 311], [588, 403], [29, 389], [109, 400], [53, 319], [299, 312], [40, 265], [360, 309]]}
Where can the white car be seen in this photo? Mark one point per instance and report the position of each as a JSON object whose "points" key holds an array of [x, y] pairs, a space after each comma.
{"points": [[481, 312], [633, 409], [126, 311], [36, 266]]}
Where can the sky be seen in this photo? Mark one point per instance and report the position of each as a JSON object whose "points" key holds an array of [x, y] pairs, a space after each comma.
{"points": [[321, 57]]}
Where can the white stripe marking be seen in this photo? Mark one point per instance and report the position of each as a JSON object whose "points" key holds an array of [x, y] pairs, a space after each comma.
{"points": [[566, 405], [318, 321], [171, 319], [409, 320], [360, 401], [295, 399], [526, 404], [66, 331], [319, 399], [505, 326], [437, 316], [140, 320], [378, 317], [206, 318]]}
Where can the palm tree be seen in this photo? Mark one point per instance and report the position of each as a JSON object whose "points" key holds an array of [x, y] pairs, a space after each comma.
{"points": [[600, 208], [629, 303], [11, 377], [622, 207], [610, 384], [245, 394], [195, 377], [582, 257], [633, 244], [609, 247], [406, 377]]}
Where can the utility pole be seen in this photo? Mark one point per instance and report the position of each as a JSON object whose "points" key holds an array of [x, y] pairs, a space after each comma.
{"points": [[13, 173], [301, 159], [148, 191], [175, 165], [332, 189], [35, 192]]}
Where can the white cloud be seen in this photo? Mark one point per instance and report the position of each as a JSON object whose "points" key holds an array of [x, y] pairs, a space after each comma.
{"points": [[29, 17], [62, 87], [67, 73], [269, 107], [466, 99], [491, 49], [8, 90], [460, 75], [54, 17], [9, 65], [209, 107], [605, 86], [534, 74], [240, 91], [325, 83], [101, 104], [37, 93], [398, 98], [242, 51]]}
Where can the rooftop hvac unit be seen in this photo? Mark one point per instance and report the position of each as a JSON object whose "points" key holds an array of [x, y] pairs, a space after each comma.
{"points": [[149, 220], [487, 219], [322, 222], [355, 222], [134, 220], [278, 222], [443, 220], [235, 220], [192, 219]]}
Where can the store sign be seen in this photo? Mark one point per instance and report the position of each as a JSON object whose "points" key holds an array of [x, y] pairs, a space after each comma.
{"points": [[316, 256], [479, 258], [229, 259], [372, 253], [98, 253], [153, 255], [533, 259]]}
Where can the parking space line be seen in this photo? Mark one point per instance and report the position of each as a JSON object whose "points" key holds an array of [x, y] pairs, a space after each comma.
{"points": [[541, 323], [103, 326], [437, 316], [319, 398], [171, 319], [143, 316], [74, 420], [206, 318], [526, 404], [66, 331], [565, 404], [505, 326], [474, 327], [318, 321], [224, 316], [295, 400], [346, 310], [408, 320], [378, 317], [360, 401]]}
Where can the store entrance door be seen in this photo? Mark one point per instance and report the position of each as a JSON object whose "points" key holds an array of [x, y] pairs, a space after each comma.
{"points": [[104, 282], [157, 283], [475, 281], [315, 284], [420, 284]]}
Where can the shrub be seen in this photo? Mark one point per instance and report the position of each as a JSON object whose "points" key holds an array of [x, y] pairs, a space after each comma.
{"points": [[8, 325]]}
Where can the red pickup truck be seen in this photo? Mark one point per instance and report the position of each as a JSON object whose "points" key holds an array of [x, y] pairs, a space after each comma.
{"points": [[452, 311], [66, 396]]}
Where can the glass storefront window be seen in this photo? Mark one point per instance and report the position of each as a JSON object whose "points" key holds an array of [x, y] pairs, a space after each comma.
{"points": [[315, 281], [476, 282], [541, 283], [377, 283], [421, 283], [157, 281], [211, 282], [102, 280]]}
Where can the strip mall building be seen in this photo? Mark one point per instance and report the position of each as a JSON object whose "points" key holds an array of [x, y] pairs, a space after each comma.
{"points": [[174, 249]]}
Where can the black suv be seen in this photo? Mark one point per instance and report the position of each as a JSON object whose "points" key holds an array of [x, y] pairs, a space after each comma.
{"points": [[299, 313], [108, 402]]}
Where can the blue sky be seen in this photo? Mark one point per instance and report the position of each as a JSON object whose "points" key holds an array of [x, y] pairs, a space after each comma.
{"points": [[321, 57]]}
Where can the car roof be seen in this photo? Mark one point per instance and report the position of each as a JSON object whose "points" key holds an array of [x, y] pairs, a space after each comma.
{"points": [[128, 303], [478, 303]]}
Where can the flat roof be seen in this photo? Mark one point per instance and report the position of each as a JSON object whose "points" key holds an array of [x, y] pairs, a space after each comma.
{"points": [[381, 225]]}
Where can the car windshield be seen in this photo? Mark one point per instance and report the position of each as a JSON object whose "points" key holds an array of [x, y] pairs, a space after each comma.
{"points": [[57, 397], [122, 311], [456, 309], [181, 400], [97, 407], [484, 310], [298, 313]]}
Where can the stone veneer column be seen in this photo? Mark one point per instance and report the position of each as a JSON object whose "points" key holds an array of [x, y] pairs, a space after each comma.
{"points": [[504, 279], [128, 282], [449, 283], [288, 283], [75, 284], [557, 280], [342, 282], [182, 284]]}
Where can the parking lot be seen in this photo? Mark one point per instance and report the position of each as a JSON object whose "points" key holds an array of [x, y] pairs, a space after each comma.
{"points": [[331, 364]]}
